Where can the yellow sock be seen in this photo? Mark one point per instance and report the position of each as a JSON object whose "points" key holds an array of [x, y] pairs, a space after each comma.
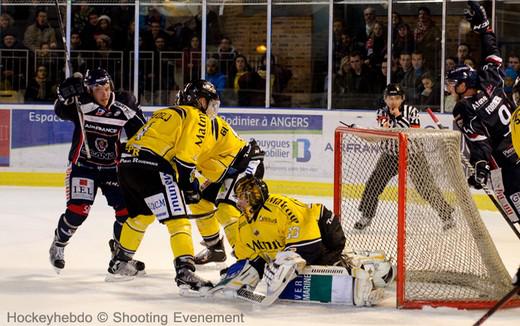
{"points": [[180, 237], [133, 230], [203, 208], [227, 215]]}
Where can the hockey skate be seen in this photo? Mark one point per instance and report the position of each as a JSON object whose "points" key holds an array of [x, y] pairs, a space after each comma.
{"points": [[188, 282], [362, 223], [57, 256], [213, 257], [120, 271], [448, 222], [121, 267], [139, 265]]}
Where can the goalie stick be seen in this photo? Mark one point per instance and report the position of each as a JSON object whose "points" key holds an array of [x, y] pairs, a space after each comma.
{"points": [[69, 65], [498, 305], [488, 191]]}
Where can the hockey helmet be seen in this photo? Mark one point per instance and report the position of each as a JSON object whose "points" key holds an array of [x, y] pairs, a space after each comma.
{"points": [[463, 73], [196, 89], [516, 91], [394, 90], [97, 77], [251, 192]]}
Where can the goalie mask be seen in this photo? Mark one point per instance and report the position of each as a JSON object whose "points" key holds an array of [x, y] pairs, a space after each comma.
{"points": [[251, 193], [97, 77], [194, 91]]}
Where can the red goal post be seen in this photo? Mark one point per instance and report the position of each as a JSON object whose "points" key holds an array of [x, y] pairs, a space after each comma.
{"points": [[457, 268]]}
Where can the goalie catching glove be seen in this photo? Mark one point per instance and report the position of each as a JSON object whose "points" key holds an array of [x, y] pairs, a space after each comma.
{"points": [[477, 17]]}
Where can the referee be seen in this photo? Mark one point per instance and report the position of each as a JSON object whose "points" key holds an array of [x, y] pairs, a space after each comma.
{"points": [[396, 114]]}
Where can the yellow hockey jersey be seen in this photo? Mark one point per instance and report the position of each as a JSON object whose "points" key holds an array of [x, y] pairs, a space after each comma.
{"points": [[283, 223], [223, 147], [176, 132], [515, 130]]}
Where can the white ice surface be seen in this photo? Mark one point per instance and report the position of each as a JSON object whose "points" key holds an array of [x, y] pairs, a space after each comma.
{"points": [[28, 283]]}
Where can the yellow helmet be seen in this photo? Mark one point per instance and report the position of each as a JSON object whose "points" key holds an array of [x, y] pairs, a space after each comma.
{"points": [[251, 192]]}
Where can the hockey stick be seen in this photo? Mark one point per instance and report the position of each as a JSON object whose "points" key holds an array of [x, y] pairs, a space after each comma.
{"points": [[498, 305], [69, 64], [488, 191]]}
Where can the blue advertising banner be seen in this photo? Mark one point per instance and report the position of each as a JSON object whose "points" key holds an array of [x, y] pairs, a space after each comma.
{"points": [[39, 127], [275, 123]]}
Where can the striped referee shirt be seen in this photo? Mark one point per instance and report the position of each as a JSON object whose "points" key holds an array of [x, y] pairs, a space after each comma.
{"points": [[409, 118]]}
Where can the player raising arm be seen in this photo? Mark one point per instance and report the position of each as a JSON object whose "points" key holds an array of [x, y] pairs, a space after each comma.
{"points": [[105, 115], [483, 113]]}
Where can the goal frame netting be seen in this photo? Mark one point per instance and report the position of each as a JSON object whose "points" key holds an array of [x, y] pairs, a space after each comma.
{"points": [[402, 300]]}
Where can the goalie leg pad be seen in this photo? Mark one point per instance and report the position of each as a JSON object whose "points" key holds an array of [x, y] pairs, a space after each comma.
{"points": [[376, 263], [365, 293], [240, 274]]}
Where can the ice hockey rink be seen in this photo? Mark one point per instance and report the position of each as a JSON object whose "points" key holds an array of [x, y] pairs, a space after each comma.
{"points": [[29, 285]]}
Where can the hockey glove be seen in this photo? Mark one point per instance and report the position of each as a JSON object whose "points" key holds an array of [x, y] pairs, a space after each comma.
{"points": [[476, 16], [70, 88], [282, 270], [192, 194], [252, 152], [479, 178]]}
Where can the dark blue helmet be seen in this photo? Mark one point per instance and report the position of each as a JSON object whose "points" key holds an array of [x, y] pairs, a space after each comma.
{"points": [[99, 77], [463, 73]]}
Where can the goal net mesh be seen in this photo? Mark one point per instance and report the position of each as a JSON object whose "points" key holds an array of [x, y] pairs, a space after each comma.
{"points": [[447, 255]]}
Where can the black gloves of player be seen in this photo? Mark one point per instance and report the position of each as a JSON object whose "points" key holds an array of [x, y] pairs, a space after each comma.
{"points": [[70, 88], [476, 16], [250, 153], [188, 183], [192, 196], [479, 178]]}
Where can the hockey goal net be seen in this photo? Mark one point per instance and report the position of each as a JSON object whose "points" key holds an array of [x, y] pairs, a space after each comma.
{"points": [[412, 185]]}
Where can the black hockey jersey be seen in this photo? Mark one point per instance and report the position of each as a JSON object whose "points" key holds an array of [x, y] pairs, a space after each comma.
{"points": [[103, 127], [484, 117]]}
